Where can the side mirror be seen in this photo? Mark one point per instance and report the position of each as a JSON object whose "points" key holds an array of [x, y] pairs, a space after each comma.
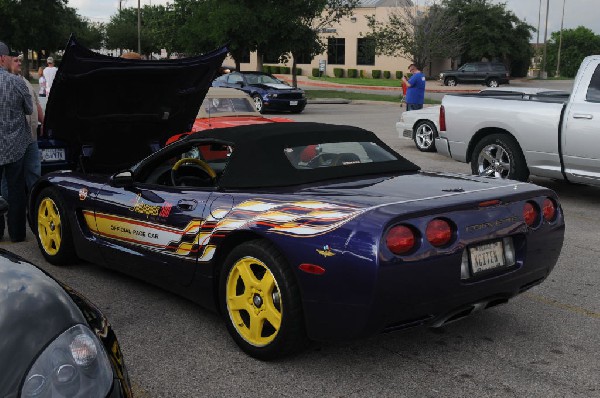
{"points": [[122, 179]]}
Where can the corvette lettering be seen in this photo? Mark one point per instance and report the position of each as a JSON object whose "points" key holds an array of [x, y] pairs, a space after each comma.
{"points": [[491, 224]]}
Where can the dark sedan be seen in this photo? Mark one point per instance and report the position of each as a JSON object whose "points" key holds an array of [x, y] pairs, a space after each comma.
{"points": [[54, 342], [268, 92]]}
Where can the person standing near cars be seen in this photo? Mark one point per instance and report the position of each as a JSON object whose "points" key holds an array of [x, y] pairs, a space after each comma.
{"points": [[15, 137], [31, 161], [415, 91], [49, 74]]}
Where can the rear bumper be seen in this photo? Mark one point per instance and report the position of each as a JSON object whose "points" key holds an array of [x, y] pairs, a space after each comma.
{"points": [[431, 293], [404, 130], [442, 147]]}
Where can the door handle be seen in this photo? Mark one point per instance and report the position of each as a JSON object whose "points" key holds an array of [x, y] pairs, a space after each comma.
{"points": [[583, 116], [187, 205]]}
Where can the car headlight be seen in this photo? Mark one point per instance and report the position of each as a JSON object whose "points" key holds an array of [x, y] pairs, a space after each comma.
{"points": [[274, 95], [441, 75], [73, 365]]}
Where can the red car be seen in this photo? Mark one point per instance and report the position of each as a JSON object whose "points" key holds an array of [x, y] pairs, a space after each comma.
{"points": [[226, 107]]}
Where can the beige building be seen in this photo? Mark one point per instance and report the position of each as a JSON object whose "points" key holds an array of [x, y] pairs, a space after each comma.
{"points": [[348, 48]]}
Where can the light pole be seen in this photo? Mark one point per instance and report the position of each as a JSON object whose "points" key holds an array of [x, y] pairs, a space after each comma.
{"points": [[545, 34], [537, 42], [139, 29], [560, 40]]}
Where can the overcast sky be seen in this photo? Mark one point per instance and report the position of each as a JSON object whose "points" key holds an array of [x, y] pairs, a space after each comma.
{"points": [[577, 12]]}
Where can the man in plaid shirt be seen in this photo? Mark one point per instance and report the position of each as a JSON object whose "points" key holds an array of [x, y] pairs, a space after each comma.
{"points": [[15, 136]]}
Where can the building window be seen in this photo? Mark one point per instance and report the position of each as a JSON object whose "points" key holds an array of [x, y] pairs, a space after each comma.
{"points": [[270, 58], [304, 59], [245, 57], [365, 51], [336, 51]]}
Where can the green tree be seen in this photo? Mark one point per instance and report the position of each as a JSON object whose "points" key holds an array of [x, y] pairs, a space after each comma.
{"points": [[29, 25], [417, 34], [122, 29], [577, 44], [491, 31]]}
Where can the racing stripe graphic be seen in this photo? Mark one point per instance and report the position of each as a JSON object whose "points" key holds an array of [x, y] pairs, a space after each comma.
{"points": [[201, 237]]}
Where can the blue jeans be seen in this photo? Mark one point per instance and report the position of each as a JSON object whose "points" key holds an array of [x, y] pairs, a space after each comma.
{"points": [[32, 168], [413, 107], [16, 198]]}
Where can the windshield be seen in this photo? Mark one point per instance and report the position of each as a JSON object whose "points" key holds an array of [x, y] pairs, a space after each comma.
{"points": [[336, 154], [214, 106], [262, 79]]}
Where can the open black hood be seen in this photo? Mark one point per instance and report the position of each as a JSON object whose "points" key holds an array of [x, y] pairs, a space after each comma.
{"points": [[117, 106]]}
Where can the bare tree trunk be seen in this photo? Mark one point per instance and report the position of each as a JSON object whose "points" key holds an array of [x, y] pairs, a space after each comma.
{"points": [[294, 72], [25, 68]]}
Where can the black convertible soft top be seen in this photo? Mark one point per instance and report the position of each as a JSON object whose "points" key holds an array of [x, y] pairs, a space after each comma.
{"points": [[259, 159]]}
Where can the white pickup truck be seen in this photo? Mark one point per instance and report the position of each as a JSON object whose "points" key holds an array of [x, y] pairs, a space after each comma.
{"points": [[534, 132]]}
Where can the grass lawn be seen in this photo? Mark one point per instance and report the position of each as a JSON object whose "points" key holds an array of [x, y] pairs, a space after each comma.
{"points": [[312, 94], [359, 81]]}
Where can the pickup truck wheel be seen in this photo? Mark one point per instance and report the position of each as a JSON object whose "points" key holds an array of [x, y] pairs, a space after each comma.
{"points": [[493, 82], [499, 155], [424, 136], [450, 82]]}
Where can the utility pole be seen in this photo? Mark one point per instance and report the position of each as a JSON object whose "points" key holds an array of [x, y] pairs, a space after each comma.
{"points": [[560, 40], [545, 34], [139, 29], [537, 42]]}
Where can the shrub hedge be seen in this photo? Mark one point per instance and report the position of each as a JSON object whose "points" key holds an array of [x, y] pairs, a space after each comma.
{"points": [[376, 73]]}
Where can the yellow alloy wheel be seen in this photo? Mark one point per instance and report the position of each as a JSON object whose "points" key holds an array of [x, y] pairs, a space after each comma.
{"points": [[49, 226], [253, 301]]}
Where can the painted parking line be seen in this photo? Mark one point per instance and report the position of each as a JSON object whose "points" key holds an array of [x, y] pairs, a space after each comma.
{"points": [[558, 304]]}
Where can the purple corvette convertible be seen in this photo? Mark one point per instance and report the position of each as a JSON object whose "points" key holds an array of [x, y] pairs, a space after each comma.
{"points": [[293, 231]]}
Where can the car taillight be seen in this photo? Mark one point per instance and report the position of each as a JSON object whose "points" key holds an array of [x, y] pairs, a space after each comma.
{"points": [[400, 239], [549, 210], [442, 118], [438, 232], [530, 214]]}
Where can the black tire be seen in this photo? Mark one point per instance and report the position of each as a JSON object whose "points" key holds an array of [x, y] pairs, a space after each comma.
{"points": [[499, 155], [52, 228], [450, 81], [258, 103], [274, 305], [492, 82], [424, 134]]}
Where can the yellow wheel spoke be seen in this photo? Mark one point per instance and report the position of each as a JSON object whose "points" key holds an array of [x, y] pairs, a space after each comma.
{"points": [[247, 275], [267, 283], [272, 315], [238, 303], [256, 327]]}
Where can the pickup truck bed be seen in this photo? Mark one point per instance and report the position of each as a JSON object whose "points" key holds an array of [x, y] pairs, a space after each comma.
{"points": [[510, 134]]}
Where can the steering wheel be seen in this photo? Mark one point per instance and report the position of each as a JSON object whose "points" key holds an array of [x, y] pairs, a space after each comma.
{"points": [[322, 160], [197, 164]]}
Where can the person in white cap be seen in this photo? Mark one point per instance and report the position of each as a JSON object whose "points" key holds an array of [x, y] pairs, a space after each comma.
{"points": [[49, 74], [15, 137]]}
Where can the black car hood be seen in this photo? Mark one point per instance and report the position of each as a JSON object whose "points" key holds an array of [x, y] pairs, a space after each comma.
{"points": [[34, 309], [276, 87], [117, 105]]}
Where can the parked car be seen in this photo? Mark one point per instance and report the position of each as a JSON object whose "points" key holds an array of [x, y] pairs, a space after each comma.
{"points": [[55, 343], [492, 74], [544, 133], [226, 107], [421, 126], [296, 231], [268, 92], [99, 94]]}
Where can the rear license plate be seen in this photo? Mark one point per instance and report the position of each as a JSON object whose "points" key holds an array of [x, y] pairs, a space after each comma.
{"points": [[487, 256], [53, 154], [293, 103]]}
